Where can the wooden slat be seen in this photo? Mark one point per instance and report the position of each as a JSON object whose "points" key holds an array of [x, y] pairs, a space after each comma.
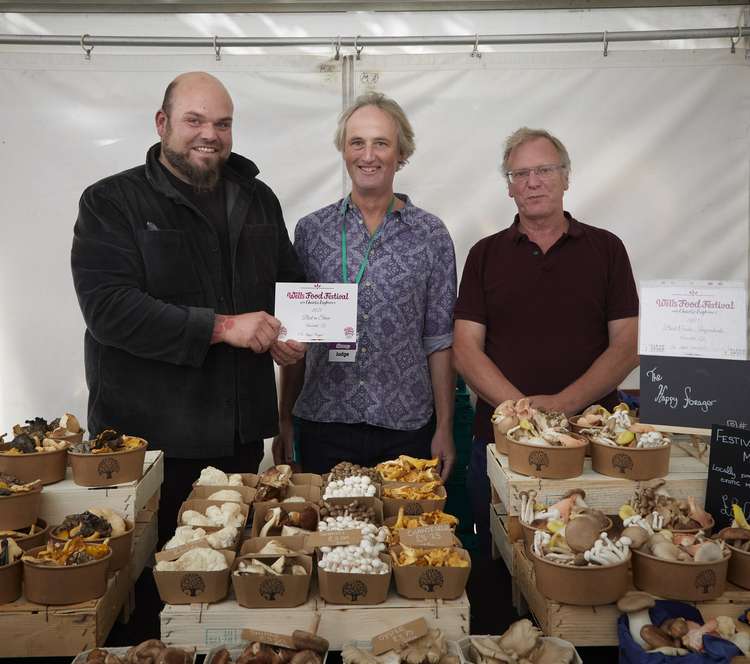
{"points": [[34, 630], [63, 498], [500, 539], [205, 626], [687, 477]]}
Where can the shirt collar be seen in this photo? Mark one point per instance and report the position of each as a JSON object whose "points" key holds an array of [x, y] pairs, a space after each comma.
{"points": [[575, 229], [405, 213]]}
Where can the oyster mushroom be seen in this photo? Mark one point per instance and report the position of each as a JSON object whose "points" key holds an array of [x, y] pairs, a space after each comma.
{"points": [[272, 517], [708, 552], [636, 605], [581, 533], [637, 536]]}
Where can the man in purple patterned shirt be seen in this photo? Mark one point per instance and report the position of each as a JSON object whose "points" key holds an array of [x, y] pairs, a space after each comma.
{"points": [[392, 392]]}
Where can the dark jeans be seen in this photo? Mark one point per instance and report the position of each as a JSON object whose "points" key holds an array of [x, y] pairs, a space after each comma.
{"points": [[179, 475], [478, 487], [324, 444]]}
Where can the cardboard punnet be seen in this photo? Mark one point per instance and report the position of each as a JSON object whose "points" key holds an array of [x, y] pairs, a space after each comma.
{"points": [[306, 479], [295, 543], [594, 585], [257, 591], [10, 581], [350, 589], [675, 579], [416, 582], [367, 501], [205, 492], [547, 462], [20, 510], [637, 463], [411, 507], [108, 468], [189, 587], [248, 479], [202, 505], [739, 568], [121, 546], [259, 516], [61, 584], [309, 492], [49, 467], [35, 539]]}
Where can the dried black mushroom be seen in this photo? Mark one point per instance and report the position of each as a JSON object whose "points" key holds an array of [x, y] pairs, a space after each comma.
{"points": [[107, 439], [86, 525]]}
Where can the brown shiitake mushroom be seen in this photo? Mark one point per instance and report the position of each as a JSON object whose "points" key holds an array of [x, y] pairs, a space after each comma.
{"points": [[308, 641], [222, 657], [96, 656], [173, 656], [306, 657], [655, 637]]}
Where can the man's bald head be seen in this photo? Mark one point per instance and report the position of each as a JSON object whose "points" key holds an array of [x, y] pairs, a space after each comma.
{"points": [[195, 126], [187, 80]]}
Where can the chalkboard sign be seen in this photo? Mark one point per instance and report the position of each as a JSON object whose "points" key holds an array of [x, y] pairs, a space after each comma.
{"points": [[728, 474], [695, 392]]}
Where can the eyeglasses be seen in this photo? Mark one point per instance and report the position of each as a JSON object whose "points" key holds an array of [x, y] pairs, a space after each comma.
{"points": [[545, 172]]}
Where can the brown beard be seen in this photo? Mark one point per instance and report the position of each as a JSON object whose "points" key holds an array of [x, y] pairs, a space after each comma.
{"points": [[202, 179]]}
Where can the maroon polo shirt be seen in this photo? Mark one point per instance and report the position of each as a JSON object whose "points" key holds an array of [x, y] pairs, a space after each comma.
{"points": [[546, 314]]}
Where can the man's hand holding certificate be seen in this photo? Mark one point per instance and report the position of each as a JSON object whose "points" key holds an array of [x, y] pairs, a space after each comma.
{"points": [[317, 312]]}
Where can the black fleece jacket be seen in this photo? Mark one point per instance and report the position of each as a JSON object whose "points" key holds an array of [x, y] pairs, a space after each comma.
{"points": [[147, 271]]}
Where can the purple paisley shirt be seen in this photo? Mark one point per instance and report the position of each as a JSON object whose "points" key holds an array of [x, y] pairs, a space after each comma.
{"points": [[405, 309]]}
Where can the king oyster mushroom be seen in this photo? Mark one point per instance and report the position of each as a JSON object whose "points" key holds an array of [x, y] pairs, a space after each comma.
{"points": [[637, 605]]}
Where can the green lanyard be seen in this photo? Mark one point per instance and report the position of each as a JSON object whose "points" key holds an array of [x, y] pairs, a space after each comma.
{"points": [[366, 259]]}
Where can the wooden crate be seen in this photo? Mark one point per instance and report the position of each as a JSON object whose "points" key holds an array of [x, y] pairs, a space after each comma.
{"points": [[66, 497], [207, 625], [597, 625], [35, 630], [687, 477], [144, 542]]}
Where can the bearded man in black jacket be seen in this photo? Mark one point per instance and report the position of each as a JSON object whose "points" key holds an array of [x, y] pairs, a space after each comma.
{"points": [[174, 264]]}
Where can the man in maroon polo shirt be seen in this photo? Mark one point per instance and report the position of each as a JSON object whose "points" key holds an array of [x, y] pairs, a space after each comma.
{"points": [[547, 308]]}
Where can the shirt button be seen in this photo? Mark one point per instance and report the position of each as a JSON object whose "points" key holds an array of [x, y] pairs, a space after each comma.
{"points": [[536, 252], [365, 316], [364, 350], [221, 298], [361, 382], [368, 284]]}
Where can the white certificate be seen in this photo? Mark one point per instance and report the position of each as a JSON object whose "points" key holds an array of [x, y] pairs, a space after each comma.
{"points": [[685, 318], [317, 312]]}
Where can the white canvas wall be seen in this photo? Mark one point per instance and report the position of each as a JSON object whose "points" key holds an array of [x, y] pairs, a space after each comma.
{"points": [[658, 138]]}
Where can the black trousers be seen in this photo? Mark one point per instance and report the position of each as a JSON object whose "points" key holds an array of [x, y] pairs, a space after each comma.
{"points": [[324, 444], [179, 475]]}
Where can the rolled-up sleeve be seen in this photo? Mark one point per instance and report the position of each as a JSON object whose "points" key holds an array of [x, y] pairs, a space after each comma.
{"points": [[441, 294], [109, 278]]}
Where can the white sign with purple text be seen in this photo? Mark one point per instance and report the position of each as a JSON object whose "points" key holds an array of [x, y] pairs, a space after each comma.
{"points": [[317, 312], [685, 318]]}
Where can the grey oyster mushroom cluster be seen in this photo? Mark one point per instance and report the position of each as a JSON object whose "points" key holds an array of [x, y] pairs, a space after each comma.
{"points": [[522, 643], [431, 648], [522, 423], [619, 428]]}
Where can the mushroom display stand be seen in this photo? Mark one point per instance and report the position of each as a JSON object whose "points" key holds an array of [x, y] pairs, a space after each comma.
{"points": [[717, 651]]}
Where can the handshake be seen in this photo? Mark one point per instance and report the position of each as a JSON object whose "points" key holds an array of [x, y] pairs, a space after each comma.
{"points": [[258, 331]]}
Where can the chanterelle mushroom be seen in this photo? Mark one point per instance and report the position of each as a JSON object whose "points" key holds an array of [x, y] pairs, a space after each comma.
{"points": [[636, 605]]}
